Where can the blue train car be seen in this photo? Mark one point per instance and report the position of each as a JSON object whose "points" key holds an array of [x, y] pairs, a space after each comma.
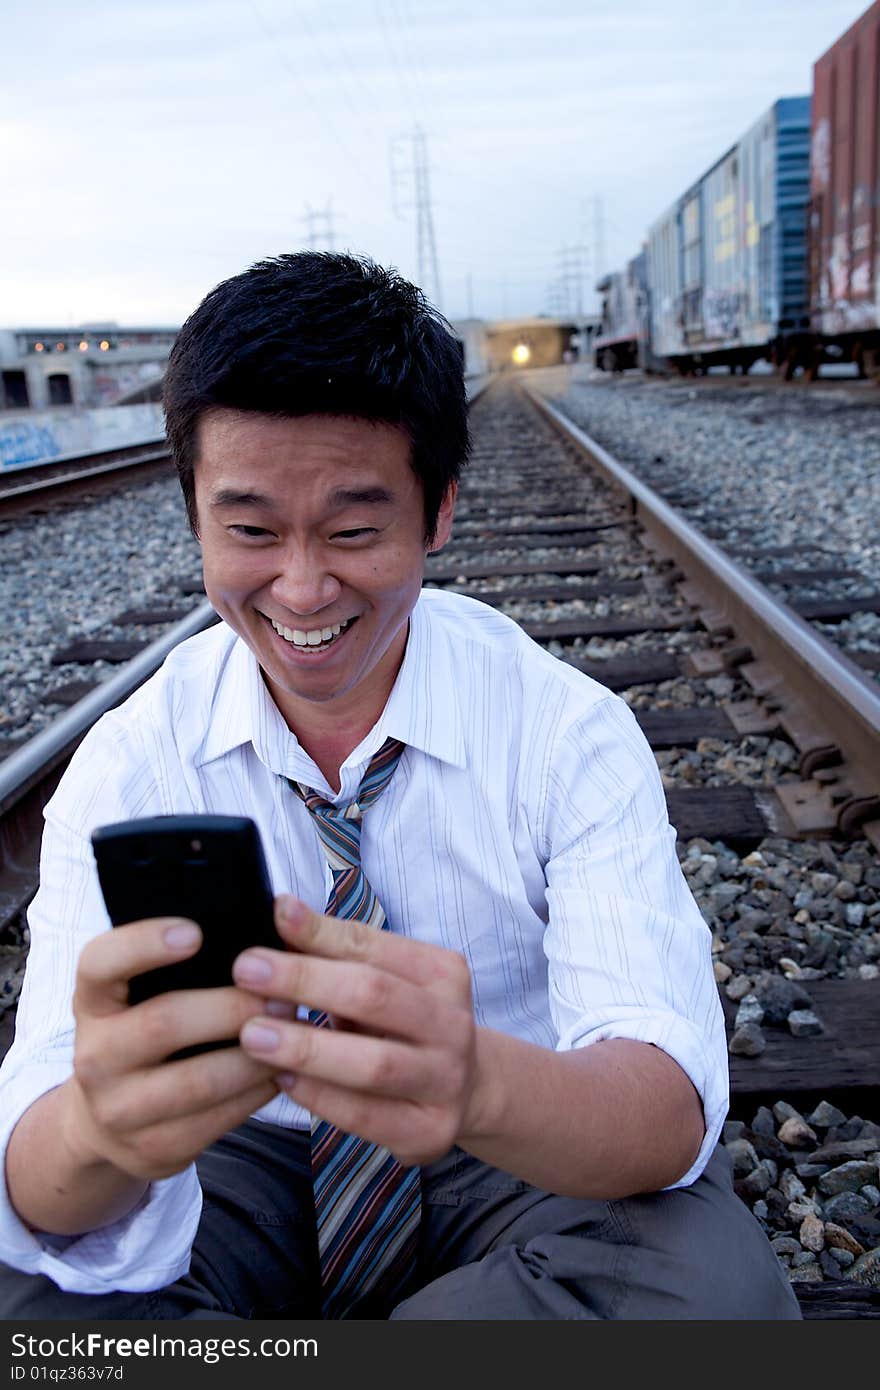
{"points": [[727, 262]]}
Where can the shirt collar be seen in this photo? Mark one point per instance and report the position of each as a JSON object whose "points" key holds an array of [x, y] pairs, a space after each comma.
{"points": [[422, 709]]}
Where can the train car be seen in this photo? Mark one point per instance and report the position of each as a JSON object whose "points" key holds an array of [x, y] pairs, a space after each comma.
{"points": [[726, 264], [623, 333], [844, 235], [514, 344]]}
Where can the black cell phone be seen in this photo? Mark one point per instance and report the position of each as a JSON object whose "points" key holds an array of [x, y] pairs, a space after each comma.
{"points": [[211, 869]]}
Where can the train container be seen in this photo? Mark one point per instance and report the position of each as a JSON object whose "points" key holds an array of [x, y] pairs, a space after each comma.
{"points": [[622, 337], [844, 237], [726, 264]]}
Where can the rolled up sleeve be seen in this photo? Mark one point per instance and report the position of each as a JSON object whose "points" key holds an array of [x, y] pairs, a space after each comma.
{"points": [[629, 954]]}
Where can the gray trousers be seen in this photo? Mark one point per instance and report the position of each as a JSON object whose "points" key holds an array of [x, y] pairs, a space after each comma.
{"points": [[491, 1247]]}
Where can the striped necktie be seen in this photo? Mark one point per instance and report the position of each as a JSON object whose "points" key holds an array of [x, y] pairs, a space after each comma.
{"points": [[367, 1205]]}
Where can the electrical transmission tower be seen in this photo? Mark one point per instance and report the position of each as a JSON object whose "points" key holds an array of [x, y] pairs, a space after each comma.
{"points": [[572, 264], [427, 247], [320, 227]]}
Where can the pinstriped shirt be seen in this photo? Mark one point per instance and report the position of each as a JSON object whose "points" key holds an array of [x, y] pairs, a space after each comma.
{"points": [[525, 827]]}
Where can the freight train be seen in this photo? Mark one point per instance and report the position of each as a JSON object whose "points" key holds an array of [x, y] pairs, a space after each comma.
{"points": [[774, 253]]}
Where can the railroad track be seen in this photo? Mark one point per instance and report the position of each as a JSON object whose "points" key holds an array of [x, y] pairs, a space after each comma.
{"points": [[38, 487], [612, 580]]}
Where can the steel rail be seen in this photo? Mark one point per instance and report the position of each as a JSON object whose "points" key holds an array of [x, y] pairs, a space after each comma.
{"points": [[46, 749], [837, 695], [30, 774]]}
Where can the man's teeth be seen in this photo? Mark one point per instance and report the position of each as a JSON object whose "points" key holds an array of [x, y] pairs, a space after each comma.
{"points": [[315, 638]]}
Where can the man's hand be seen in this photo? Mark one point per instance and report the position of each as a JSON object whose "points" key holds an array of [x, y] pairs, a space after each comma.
{"points": [[398, 1066], [128, 1105]]}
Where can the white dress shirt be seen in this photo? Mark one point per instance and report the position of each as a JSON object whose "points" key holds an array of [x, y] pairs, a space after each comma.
{"points": [[525, 827]]}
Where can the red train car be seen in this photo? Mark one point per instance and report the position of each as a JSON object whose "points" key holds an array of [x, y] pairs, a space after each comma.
{"points": [[844, 235]]}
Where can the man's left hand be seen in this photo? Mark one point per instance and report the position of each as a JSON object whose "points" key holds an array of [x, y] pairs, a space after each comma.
{"points": [[398, 1066]]}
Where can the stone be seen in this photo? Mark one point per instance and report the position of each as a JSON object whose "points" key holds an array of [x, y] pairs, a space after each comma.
{"points": [[805, 1023], [764, 1123], [808, 1171], [842, 1258], [749, 1012], [812, 1234], [848, 1177], [845, 1207], [722, 972], [797, 1211], [732, 1129], [802, 1258], [747, 1041], [743, 1157], [844, 1149], [738, 987], [754, 1184], [791, 1186], [866, 1269], [829, 1265], [826, 1115], [786, 1245], [779, 997], [839, 1238], [783, 1111], [796, 1133]]}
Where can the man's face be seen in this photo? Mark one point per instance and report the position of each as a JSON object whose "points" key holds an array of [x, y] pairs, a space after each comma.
{"points": [[312, 534]]}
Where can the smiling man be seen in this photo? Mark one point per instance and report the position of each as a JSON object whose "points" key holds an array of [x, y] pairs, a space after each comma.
{"points": [[485, 1077]]}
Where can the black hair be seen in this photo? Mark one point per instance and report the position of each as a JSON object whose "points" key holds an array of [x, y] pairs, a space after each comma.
{"points": [[319, 332]]}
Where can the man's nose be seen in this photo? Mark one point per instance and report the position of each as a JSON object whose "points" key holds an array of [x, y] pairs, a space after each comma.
{"points": [[304, 585]]}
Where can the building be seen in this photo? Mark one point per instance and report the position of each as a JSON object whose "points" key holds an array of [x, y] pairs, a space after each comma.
{"points": [[94, 365]]}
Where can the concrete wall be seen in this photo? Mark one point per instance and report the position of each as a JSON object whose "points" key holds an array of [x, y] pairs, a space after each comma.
{"points": [[42, 436]]}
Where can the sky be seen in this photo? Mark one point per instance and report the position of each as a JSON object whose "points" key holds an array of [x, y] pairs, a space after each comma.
{"points": [[151, 148]]}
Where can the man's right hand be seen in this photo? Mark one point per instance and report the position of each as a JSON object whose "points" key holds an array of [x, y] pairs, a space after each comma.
{"points": [[83, 1154]]}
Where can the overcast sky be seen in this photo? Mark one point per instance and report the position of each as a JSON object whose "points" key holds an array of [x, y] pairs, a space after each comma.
{"points": [[150, 148]]}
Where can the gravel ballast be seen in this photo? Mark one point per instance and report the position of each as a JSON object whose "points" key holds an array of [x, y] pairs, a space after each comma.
{"points": [[753, 468]]}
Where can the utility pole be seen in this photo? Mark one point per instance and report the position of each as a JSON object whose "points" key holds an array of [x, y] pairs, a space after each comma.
{"points": [[313, 218]]}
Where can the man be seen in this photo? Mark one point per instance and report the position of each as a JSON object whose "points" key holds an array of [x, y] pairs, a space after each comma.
{"points": [[504, 1105]]}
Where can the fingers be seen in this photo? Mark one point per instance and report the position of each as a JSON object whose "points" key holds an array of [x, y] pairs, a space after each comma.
{"points": [[338, 938], [415, 1133], [167, 1146], [146, 1034], [364, 994], [194, 1086], [109, 960], [378, 1065]]}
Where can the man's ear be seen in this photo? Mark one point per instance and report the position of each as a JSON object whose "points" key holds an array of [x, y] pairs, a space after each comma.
{"points": [[444, 519]]}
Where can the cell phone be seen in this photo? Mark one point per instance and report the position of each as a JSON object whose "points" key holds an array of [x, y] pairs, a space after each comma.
{"points": [[211, 869]]}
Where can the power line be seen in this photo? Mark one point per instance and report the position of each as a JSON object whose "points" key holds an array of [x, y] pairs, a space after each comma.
{"points": [[399, 67], [323, 122]]}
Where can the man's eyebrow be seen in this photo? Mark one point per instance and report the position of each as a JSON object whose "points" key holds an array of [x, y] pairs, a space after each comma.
{"points": [[339, 498], [233, 497], [359, 496]]}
